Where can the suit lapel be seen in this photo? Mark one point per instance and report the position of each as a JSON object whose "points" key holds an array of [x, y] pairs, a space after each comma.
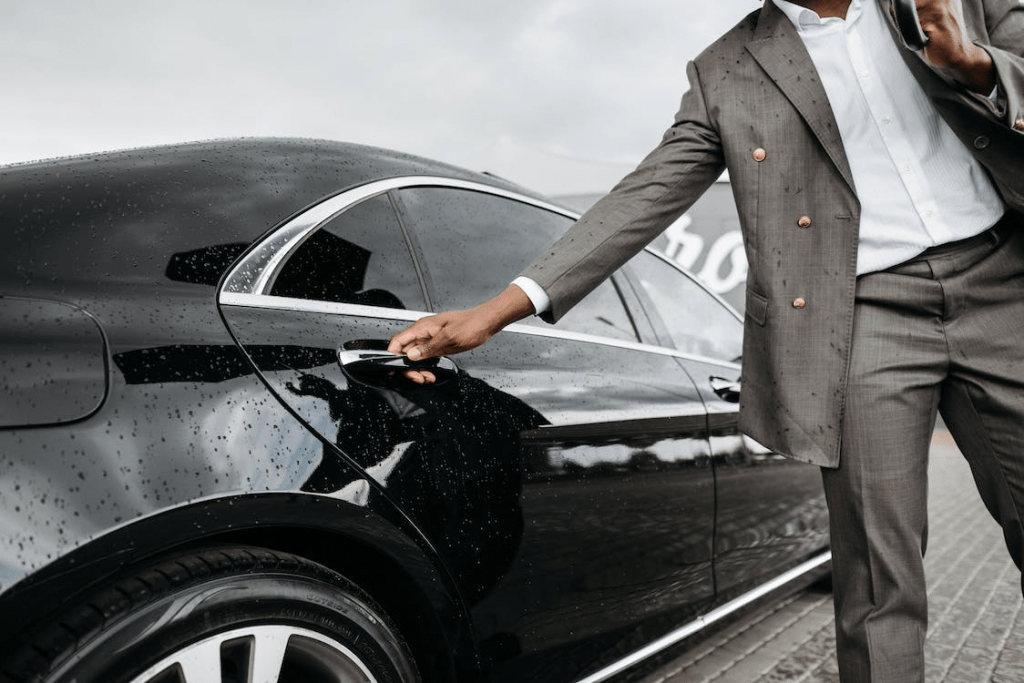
{"points": [[778, 49]]}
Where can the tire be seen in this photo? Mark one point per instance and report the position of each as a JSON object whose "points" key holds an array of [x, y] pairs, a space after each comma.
{"points": [[221, 616]]}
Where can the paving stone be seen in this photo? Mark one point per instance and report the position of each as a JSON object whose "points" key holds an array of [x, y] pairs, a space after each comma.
{"points": [[976, 614]]}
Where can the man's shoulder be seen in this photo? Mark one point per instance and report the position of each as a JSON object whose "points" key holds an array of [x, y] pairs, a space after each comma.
{"points": [[732, 42]]}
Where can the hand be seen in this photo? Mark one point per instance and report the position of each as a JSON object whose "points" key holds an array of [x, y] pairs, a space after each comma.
{"points": [[950, 49], [437, 335], [441, 334], [458, 331]]}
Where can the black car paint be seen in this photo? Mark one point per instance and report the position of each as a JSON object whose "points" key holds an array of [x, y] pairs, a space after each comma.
{"points": [[542, 545]]}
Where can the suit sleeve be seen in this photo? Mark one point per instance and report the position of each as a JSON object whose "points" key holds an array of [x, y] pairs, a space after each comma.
{"points": [[1004, 20], [661, 188]]}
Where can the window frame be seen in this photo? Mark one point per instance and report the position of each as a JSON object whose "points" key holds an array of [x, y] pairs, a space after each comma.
{"points": [[640, 330], [256, 270], [248, 282]]}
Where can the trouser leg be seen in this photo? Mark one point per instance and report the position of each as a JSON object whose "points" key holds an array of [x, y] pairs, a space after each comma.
{"points": [[877, 497], [983, 399], [948, 328]]}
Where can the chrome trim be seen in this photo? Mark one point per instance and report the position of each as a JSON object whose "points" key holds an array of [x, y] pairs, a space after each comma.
{"points": [[706, 620], [247, 283], [254, 274], [282, 303]]}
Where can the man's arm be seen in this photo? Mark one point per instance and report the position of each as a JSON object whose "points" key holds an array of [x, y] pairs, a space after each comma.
{"points": [[665, 184], [457, 331]]}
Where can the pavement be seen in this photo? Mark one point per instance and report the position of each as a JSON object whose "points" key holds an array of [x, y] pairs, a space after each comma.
{"points": [[976, 620]]}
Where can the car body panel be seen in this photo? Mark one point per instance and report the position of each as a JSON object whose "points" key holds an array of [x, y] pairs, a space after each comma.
{"points": [[565, 496]]}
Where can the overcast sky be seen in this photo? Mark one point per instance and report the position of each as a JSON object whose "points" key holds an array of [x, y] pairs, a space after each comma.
{"points": [[563, 96]]}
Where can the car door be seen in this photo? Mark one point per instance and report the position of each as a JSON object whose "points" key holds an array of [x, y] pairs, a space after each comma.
{"points": [[617, 493], [562, 474], [771, 514]]}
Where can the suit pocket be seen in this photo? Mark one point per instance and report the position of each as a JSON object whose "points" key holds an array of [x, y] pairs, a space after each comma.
{"points": [[756, 307]]}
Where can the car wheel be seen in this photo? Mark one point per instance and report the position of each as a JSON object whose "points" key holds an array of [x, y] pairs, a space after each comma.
{"points": [[235, 615]]}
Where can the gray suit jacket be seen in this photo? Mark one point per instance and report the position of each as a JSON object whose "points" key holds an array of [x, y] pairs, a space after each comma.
{"points": [[753, 90]]}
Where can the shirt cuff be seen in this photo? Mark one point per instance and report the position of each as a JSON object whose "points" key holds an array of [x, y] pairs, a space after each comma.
{"points": [[535, 293]]}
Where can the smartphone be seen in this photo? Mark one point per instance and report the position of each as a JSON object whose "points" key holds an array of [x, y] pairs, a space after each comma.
{"points": [[908, 24]]}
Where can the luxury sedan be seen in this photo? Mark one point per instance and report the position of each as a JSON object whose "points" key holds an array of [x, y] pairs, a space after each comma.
{"points": [[211, 469]]}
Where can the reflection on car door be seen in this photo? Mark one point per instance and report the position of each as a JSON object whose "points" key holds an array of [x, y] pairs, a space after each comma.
{"points": [[562, 474], [770, 509], [617, 495]]}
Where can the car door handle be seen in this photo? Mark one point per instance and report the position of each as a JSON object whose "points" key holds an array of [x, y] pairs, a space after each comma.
{"points": [[726, 389], [368, 361]]}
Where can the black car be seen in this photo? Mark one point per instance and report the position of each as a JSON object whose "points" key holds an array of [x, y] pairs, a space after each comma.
{"points": [[211, 471]]}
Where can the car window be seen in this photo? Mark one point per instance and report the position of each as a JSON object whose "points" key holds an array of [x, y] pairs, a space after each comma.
{"points": [[601, 312], [474, 244], [360, 256], [693, 318]]}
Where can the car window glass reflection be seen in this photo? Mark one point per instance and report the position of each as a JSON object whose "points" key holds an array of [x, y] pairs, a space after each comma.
{"points": [[359, 257], [205, 265], [601, 312], [474, 242], [696, 322]]}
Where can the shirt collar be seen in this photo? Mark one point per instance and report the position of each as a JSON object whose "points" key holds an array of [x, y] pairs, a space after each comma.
{"points": [[804, 19]]}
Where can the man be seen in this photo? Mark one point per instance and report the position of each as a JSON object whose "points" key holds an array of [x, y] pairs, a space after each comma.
{"points": [[878, 193]]}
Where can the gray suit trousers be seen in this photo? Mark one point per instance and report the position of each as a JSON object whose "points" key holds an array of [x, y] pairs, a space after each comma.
{"points": [[943, 332]]}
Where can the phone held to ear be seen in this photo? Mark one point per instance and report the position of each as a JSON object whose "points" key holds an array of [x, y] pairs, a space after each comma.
{"points": [[908, 24]]}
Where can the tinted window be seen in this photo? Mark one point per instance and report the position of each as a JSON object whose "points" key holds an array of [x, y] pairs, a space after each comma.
{"points": [[361, 256], [695, 320], [474, 244], [601, 312]]}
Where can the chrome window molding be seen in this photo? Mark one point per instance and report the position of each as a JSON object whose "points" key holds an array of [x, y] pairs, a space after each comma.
{"points": [[254, 274], [249, 282], [706, 620], [281, 303]]}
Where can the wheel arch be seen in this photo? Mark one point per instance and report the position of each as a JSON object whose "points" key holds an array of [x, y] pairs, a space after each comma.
{"points": [[375, 547]]}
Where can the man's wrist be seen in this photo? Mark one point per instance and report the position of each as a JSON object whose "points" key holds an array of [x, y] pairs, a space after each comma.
{"points": [[506, 308], [978, 72], [538, 297], [974, 70]]}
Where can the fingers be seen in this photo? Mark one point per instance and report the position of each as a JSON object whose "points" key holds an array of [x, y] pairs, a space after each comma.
{"points": [[425, 338], [417, 342], [426, 347], [425, 350], [441, 334], [420, 376], [416, 336], [403, 340]]}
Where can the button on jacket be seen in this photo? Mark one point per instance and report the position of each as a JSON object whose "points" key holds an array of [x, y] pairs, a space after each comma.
{"points": [[756, 106]]}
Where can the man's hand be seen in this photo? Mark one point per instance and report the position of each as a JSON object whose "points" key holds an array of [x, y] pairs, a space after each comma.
{"points": [[950, 49], [444, 333], [457, 331]]}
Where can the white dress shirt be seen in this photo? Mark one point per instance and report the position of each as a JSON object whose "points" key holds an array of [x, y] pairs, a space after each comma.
{"points": [[918, 185]]}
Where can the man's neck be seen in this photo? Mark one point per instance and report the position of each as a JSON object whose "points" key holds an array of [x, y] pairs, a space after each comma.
{"points": [[825, 8]]}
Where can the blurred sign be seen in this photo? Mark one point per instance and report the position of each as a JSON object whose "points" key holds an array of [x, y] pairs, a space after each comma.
{"points": [[706, 240]]}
